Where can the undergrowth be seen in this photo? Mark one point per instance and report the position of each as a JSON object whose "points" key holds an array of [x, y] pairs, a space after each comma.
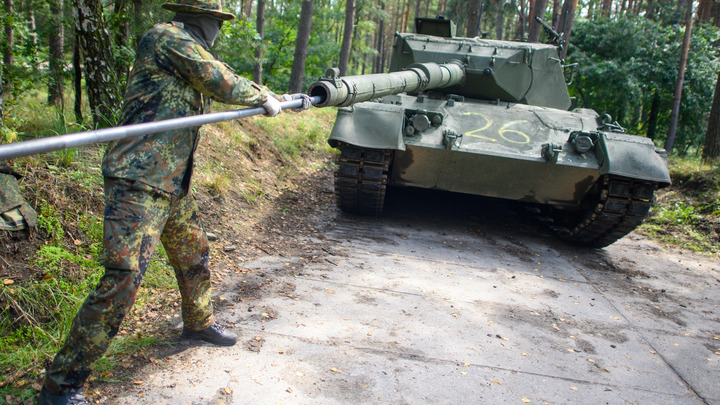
{"points": [[687, 214]]}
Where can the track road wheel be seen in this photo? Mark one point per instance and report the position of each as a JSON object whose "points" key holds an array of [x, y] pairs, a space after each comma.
{"points": [[361, 179], [618, 206]]}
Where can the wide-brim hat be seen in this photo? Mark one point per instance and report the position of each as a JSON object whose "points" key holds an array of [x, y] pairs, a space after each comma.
{"points": [[211, 7]]}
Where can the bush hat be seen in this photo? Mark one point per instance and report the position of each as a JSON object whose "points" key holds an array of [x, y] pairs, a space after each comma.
{"points": [[212, 7]]}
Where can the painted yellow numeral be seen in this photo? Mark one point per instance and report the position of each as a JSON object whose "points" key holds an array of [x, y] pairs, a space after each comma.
{"points": [[505, 132], [474, 132]]}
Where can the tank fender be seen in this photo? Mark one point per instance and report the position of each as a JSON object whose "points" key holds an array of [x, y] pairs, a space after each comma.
{"points": [[632, 157], [369, 125]]}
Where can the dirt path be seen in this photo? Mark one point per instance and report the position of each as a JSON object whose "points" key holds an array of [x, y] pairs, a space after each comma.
{"points": [[446, 299]]}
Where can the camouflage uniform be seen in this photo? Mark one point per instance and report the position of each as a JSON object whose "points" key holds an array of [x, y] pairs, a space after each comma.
{"points": [[147, 183]]}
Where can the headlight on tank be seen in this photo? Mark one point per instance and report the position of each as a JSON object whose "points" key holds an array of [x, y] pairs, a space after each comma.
{"points": [[582, 141]]}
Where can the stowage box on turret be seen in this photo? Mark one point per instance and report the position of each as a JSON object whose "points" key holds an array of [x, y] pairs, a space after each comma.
{"points": [[489, 118]]}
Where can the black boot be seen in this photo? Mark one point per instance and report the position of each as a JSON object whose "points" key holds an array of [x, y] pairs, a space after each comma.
{"points": [[215, 334], [48, 398]]}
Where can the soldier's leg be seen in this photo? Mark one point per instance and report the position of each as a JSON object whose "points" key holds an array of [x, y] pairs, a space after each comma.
{"points": [[188, 251], [134, 216]]}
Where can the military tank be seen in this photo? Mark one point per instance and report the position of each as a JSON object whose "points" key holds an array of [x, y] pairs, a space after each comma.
{"points": [[490, 118]]}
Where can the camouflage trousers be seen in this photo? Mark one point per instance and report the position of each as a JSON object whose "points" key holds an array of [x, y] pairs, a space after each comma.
{"points": [[137, 217]]}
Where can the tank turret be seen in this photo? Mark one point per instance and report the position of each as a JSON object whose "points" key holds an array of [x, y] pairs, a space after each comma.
{"points": [[515, 72]]}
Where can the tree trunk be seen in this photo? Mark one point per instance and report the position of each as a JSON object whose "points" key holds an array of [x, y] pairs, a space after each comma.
{"points": [[606, 8], [32, 27], [474, 18], [77, 78], [9, 40], [122, 36], [56, 39], [301, 47], [652, 119], [509, 23], [138, 28], [406, 16], [557, 9], [417, 10], [499, 20], [650, 10], [246, 9], [711, 148], [705, 10], [348, 29], [260, 26], [566, 22], [677, 96], [2, 112], [522, 21], [380, 64], [638, 6], [535, 27], [7, 47], [100, 76]]}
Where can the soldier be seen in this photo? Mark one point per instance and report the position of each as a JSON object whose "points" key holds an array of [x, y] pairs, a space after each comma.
{"points": [[147, 190]]}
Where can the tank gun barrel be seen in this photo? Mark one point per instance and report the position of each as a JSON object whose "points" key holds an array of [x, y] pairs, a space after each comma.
{"points": [[344, 91], [49, 144]]}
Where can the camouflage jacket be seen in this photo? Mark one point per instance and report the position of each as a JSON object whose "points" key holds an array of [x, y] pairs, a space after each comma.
{"points": [[173, 76]]}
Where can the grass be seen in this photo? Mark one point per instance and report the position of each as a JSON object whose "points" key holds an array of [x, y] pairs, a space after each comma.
{"points": [[297, 136]]}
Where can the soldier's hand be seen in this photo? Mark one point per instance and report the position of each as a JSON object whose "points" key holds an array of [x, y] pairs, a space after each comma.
{"points": [[272, 106], [306, 103]]}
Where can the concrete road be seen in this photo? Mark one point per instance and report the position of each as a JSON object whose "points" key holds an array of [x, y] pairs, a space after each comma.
{"points": [[455, 300]]}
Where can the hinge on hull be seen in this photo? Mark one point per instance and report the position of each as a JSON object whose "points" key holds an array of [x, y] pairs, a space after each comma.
{"points": [[451, 138], [551, 151]]}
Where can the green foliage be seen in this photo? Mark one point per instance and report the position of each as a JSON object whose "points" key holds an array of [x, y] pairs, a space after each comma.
{"points": [[626, 62], [688, 213], [24, 72], [7, 135], [679, 213], [237, 45], [49, 222]]}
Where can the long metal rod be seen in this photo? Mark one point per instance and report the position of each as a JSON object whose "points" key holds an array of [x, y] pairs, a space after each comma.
{"points": [[49, 144]]}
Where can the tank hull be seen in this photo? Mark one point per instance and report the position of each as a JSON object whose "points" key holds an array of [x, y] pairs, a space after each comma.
{"points": [[499, 147]]}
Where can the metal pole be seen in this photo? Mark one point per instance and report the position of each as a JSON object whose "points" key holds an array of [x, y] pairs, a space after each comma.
{"points": [[49, 144]]}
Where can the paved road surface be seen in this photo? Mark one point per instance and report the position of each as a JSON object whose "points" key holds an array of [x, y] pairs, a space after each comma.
{"points": [[456, 300]]}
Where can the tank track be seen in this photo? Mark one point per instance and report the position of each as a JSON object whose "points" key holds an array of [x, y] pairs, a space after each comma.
{"points": [[620, 205], [361, 179]]}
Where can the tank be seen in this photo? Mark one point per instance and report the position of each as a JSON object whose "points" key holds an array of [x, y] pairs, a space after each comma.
{"points": [[490, 118]]}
